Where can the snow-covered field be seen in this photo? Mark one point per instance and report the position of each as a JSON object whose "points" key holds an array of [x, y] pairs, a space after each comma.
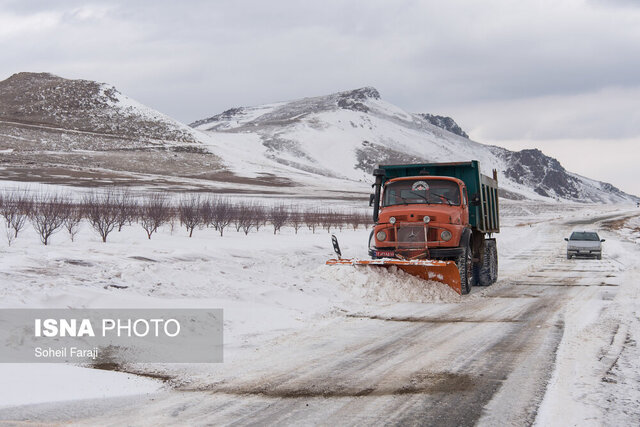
{"points": [[276, 291]]}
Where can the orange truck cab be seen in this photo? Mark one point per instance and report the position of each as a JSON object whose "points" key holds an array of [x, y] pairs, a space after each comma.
{"points": [[438, 211]]}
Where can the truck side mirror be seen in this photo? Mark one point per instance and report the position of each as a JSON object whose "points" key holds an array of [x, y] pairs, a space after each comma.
{"points": [[603, 240], [372, 197], [475, 200], [566, 239]]}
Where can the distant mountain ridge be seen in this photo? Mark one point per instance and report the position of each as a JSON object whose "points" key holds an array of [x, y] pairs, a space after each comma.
{"points": [[346, 134], [80, 132], [83, 105]]}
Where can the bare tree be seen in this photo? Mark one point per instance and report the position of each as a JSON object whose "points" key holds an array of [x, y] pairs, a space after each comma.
{"points": [[221, 214], [278, 216], [353, 219], [9, 234], [247, 216], [102, 212], [296, 218], [239, 214], [47, 216], [127, 208], [250, 219], [155, 211], [206, 212], [15, 209], [73, 218], [259, 217], [311, 219], [328, 220], [171, 221], [5, 208], [189, 211], [340, 219], [364, 219]]}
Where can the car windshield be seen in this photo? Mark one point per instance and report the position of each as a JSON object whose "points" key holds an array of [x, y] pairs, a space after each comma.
{"points": [[431, 191], [584, 235]]}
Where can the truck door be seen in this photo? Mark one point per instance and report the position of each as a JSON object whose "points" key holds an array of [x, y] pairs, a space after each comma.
{"points": [[465, 206]]}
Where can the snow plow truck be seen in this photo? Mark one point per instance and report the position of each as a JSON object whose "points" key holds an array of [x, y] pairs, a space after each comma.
{"points": [[435, 221]]}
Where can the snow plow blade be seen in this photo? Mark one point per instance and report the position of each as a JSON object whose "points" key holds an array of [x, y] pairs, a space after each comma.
{"points": [[439, 271]]}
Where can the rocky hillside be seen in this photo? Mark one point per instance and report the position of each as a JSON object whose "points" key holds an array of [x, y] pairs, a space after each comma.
{"points": [[446, 123], [344, 135], [79, 132], [82, 132], [548, 178], [83, 105]]}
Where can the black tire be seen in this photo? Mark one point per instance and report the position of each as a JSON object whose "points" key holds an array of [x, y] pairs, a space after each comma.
{"points": [[599, 257], [466, 269], [493, 272], [488, 270], [477, 270]]}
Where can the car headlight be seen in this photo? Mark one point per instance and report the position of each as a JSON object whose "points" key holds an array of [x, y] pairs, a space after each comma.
{"points": [[445, 235], [392, 220], [381, 235], [426, 219]]}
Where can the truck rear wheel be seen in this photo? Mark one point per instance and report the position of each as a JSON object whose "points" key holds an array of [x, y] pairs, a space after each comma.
{"points": [[488, 273], [493, 272], [465, 267]]}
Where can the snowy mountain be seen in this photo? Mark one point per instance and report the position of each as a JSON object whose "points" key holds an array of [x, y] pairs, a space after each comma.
{"points": [[345, 135], [83, 105], [80, 132]]}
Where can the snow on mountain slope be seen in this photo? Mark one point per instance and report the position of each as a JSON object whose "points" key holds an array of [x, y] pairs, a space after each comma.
{"points": [[346, 134], [80, 132], [84, 106], [342, 135], [70, 132]]}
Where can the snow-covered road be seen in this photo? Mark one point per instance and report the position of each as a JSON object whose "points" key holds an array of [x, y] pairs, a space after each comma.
{"points": [[552, 342]]}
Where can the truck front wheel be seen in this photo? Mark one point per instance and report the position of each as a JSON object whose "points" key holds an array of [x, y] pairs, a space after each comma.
{"points": [[465, 267]]}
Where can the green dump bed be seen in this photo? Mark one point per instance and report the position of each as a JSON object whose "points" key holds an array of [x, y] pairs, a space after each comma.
{"points": [[485, 217]]}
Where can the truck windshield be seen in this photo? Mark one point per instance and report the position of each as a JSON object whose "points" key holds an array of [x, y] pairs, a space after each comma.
{"points": [[430, 191], [584, 235]]}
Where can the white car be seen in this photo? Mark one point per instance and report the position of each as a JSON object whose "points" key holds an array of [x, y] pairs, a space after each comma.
{"points": [[584, 243]]}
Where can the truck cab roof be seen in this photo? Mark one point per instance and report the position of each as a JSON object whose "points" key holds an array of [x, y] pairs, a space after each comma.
{"points": [[425, 177]]}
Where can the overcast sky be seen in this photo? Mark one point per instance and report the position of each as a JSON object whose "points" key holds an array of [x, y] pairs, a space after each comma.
{"points": [[560, 75]]}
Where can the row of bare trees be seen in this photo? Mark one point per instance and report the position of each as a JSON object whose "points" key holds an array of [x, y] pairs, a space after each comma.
{"points": [[111, 210]]}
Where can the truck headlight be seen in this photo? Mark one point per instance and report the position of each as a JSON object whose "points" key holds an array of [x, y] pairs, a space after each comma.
{"points": [[381, 235], [445, 235], [392, 220], [426, 219]]}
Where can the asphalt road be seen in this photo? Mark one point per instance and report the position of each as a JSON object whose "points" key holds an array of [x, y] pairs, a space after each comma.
{"points": [[484, 361]]}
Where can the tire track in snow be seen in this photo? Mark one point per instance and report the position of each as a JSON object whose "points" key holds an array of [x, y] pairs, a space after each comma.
{"points": [[485, 360]]}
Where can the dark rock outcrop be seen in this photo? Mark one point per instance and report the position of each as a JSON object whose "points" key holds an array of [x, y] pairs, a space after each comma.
{"points": [[225, 115], [446, 123], [354, 100], [548, 178]]}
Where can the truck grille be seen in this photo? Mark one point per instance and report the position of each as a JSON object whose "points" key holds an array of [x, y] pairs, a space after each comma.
{"points": [[411, 234]]}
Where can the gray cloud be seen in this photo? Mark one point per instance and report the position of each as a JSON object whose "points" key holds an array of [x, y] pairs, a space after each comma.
{"points": [[442, 53], [505, 70]]}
